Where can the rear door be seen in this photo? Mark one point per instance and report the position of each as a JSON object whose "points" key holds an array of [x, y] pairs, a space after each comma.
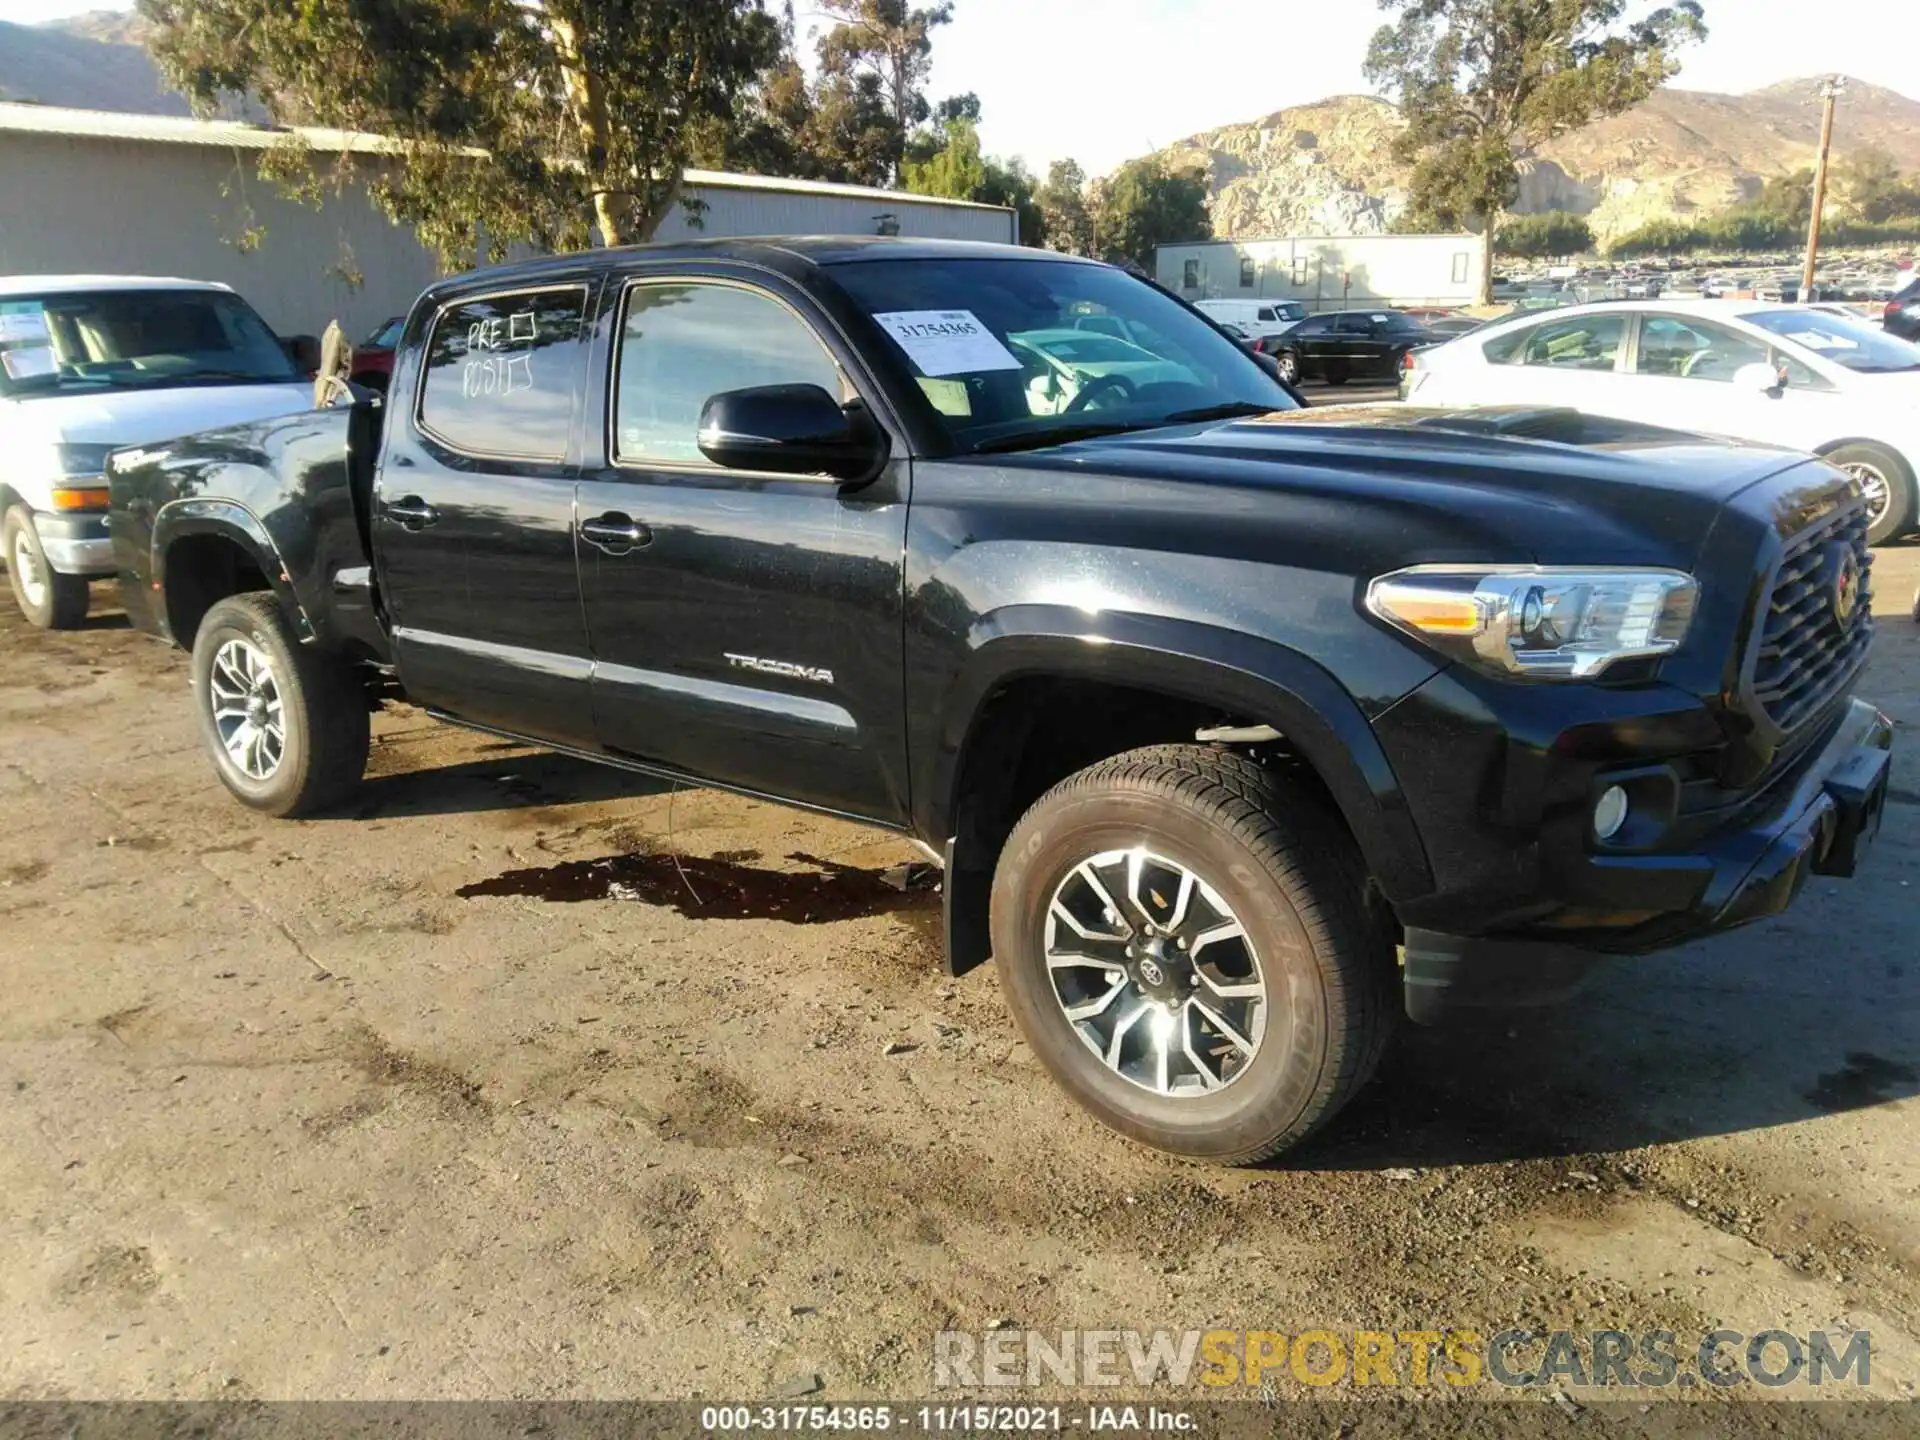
{"points": [[746, 627], [1573, 360], [473, 512], [1312, 340]]}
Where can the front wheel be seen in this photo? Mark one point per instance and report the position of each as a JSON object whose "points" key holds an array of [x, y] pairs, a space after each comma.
{"points": [[287, 726], [1185, 941], [49, 600], [1887, 483], [1289, 363]]}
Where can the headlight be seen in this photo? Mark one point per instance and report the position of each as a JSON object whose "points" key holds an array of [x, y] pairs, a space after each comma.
{"points": [[1540, 622], [82, 485], [82, 461]]}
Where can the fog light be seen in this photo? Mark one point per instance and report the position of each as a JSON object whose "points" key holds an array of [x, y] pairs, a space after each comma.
{"points": [[1610, 813]]}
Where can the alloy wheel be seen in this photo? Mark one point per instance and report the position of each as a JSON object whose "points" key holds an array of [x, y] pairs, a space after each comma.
{"points": [[1875, 487], [247, 710], [1155, 973], [27, 572], [1289, 369]]}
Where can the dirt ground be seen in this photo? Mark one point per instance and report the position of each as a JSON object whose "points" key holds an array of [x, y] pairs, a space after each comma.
{"points": [[477, 1092]]}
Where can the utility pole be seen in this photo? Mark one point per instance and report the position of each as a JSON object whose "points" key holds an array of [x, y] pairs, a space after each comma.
{"points": [[1831, 90]]}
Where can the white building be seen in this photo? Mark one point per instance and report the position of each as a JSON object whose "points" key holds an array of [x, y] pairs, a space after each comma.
{"points": [[94, 192], [1328, 272]]}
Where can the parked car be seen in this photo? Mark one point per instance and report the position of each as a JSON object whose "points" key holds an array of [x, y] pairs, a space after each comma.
{"points": [[1259, 318], [1237, 726], [373, 357], [1450, 327], [89, 363], [1349, 344], [1902, 316], [1826, 383]]}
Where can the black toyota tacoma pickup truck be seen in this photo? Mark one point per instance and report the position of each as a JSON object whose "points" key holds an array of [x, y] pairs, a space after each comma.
{"points": [[1238, 726]]}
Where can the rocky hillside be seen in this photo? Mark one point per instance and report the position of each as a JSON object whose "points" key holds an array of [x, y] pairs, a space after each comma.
{"points": [[93, 62], [1326, 168]]}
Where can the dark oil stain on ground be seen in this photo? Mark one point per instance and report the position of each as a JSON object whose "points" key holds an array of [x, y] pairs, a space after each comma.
{"points": [[723, 886], [1864, 1080]]}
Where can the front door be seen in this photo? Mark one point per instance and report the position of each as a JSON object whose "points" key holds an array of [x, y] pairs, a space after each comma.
{"points": [[473, 514], [1686, 373], [746, 627]]}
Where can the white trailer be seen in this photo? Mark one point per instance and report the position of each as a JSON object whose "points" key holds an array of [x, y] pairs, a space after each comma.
{"points": [[1328, 272]]}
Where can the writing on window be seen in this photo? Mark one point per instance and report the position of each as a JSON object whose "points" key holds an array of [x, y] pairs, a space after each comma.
{"points": [[501, 373]]}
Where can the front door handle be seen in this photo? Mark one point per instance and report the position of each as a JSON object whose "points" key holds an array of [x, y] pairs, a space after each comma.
{"points": [[412, 512], [615, 532]]}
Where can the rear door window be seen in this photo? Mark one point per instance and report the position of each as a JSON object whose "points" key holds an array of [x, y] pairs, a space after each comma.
{"points": [[1584, 342], [502, 373]]}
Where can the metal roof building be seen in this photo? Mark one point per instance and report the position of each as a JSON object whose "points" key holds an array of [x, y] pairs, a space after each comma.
{"points": [[92, 190]]}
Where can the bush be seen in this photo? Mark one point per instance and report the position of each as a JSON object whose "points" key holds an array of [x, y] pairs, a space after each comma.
{"points": [[1539, 237]]}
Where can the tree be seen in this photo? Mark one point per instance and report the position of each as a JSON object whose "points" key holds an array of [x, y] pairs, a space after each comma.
{"points": [[1874, 189], [1548, 236], [887, 45], [510, 120], [954, 168], [1011, 184], [1479, 80], [1065, 216], [1146, 203], [1788, 196], [951, 164]]}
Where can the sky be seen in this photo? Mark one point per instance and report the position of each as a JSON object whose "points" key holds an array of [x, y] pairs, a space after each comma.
{"points": [[1104, 80]]}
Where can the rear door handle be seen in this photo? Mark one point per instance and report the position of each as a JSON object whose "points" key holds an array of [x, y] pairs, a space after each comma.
{"points": [[615, 532], [412, 512]]}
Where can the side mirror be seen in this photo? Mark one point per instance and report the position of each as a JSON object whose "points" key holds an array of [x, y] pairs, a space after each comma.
{"points": [[1760, 377], [303, 351], [791, 430]]}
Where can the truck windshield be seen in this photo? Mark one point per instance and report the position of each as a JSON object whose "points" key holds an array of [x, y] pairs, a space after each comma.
{"points": [[1000, 350], [86, 342]]}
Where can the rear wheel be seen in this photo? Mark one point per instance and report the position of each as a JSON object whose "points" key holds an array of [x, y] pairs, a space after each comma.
{"points": [[1183, 937], [1888, 485], [286, 725]]}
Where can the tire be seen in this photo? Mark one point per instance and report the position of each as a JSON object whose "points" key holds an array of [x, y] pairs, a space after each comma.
{"points": [[49, 600], [322, 710], [1289, 363], [1879, 469], [1279, 862]]}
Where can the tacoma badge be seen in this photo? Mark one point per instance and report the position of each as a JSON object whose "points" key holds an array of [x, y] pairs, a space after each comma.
{"points": [[781, 667]]}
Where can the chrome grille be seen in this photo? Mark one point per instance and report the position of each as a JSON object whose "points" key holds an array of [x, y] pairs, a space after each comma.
{"points": [[1807, 654]]}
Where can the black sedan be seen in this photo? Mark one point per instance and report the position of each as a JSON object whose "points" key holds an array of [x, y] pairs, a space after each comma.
{"points": [[1349, 344]]}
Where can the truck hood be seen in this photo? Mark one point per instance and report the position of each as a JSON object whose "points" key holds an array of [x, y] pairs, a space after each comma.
{"points": [[139, 417], [1605, 491]]}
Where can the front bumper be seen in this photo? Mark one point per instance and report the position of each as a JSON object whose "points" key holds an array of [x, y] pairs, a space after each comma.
{"points": [[1817, 819], [75, 544]]}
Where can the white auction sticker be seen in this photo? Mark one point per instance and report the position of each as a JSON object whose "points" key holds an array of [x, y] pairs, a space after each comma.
{"points": [[23, 325], [947, 342]]}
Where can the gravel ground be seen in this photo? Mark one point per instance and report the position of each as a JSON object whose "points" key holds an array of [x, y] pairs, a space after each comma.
{"points": [[428, 1101]]}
